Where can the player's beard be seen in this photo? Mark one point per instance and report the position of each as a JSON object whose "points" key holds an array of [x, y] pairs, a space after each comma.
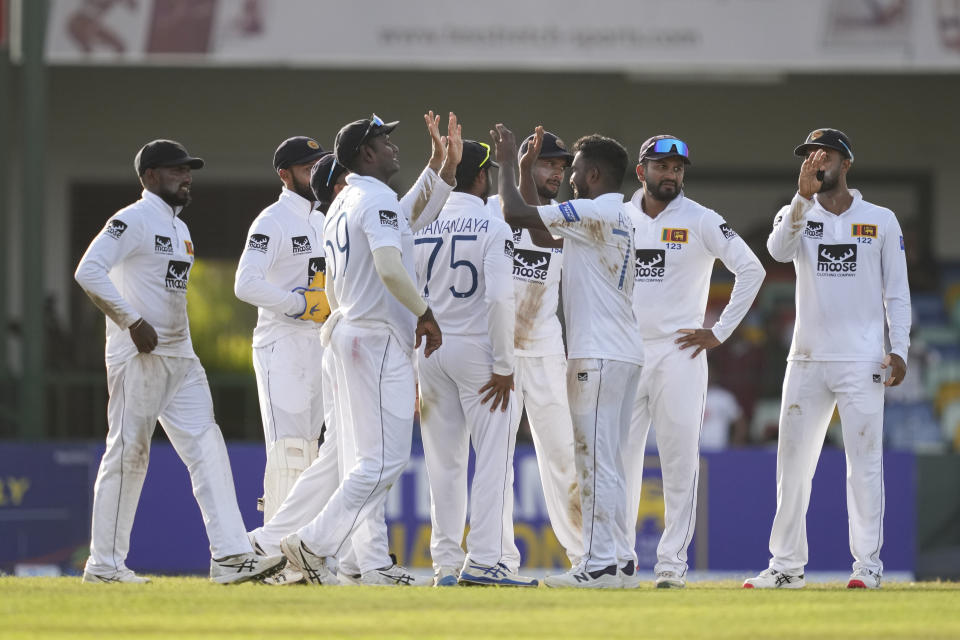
{"points": [[303, 189], [658, 192], [829, 183], [174, 199], [547, 192]]}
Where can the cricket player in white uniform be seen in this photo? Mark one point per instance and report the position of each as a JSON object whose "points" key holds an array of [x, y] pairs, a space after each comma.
{"points": [[540, 372], [851, 282], [677, 242], [283, 258], [136, 272], [464, 259], [605, 348], [377, 314]]}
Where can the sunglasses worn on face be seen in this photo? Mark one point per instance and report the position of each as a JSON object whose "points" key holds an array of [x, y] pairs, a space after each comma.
{"points": [[671, 145]]}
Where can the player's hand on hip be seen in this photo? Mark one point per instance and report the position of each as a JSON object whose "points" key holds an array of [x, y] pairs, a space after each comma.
{"points": [[144, 336], [427, 327], [498, 391], [702, 339], [810, 180], [533, 150], [899, 371], [505, 145]]}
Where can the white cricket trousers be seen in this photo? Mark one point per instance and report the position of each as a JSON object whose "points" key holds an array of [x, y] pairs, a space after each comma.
{"points": [[601, 396], [290, 387], [451, 417], [811, 390], [541, 387], [143, 389], [671, 394], [375, 377]]}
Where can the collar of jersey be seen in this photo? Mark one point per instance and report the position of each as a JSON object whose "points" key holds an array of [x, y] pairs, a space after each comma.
{"points": [[369, 182], [461, 199], [857, 199], [159, 204], [295, 202]]}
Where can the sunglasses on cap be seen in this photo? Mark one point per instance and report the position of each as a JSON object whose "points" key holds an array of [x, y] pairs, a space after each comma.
{"points": [[486, 158], [375, 123], [671, 145]]}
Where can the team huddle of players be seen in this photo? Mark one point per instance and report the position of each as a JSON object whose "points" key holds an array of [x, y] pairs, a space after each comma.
{"points": [[369, 302]]}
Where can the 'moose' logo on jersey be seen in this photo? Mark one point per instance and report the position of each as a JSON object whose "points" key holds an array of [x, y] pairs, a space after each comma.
{"points": [[162, 244], [316, 265], [115, 228], [301, 244], [177, 272], [508, 248], [674, 235], [813, 229], [388, 219], [517, 234], [727, 232], [837, 259], [650, 264], [532, 265], [258, 242]]}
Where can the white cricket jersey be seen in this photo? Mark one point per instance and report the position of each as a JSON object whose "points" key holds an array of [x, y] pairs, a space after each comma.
{"points": [[464, 260], [365, 216], [284, 250], [536, 287], [138, 267], [675, 252], [597, 280], [851, 275]]}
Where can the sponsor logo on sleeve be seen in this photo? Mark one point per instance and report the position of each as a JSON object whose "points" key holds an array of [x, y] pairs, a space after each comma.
{"points": [[530, 265], [508, 248], [813, 230], [674, 235], [876, 377], [517, 234], [778, 220], [189, 247], [301, 244], [177, 273], [569, 213], [650, 264], [258, 242], [727, 232], [901, 243], [389, 219], [162, 244], [837, 260], [863, 230], [115, 228]]}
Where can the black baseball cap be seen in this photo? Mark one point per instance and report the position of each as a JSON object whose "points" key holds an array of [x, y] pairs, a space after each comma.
{"points": [[664, 146], [297, 150], [164, 153], [324, 175], [552, 147], [352, 136], [829, 138], [476, 156]]}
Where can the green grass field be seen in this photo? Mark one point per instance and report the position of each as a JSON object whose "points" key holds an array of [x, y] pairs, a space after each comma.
{"points": [[194, 608]]}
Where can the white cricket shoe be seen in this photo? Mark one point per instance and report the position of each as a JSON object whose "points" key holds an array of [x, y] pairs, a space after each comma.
{"points": [[393, 576], [348, 578], [773, 579], [313, 567], [494, 575], [124, 575], [446, 577], [864, 579], [579, 577], [669, 580], [285, 578], [243, 567], [629, 576]]}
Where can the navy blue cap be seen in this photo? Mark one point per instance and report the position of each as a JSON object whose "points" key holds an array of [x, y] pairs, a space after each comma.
{"points": [[164, 153], [297, 150]]}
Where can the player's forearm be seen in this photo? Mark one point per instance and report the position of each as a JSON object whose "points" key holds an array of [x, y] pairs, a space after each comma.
{"points": [[389, 266], [516, 211], [423, 202], [251, 287], [896, 295], [501, 319], [749, 275], [784, 241], [93, 279]]}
